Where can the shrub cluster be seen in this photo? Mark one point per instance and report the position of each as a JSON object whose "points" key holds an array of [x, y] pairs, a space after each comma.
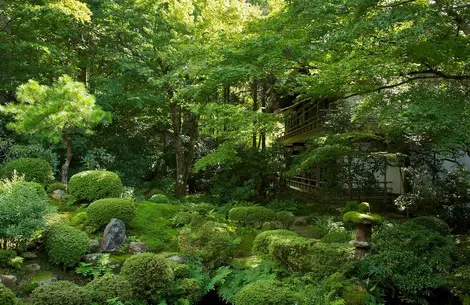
{"points": [[251, 215], [56, 186], [33, 169], [7, 297], [147, 273], [101, 211], [212, 242], [60, 293], [93, 185], [285, 218], [267, 292], [337, 236], [182, 219], [108, 287], [263, 240], [159, 198], [432, 223], [66, 245]]}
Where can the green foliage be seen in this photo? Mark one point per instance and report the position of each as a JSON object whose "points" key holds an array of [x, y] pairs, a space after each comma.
{"points": [[147, 273], [35, 170], [101, 211], [192, 290], [286, 218], [457, 217], [350, 206], [212, 242], [181, 270], [109, 287], [363, 207], [159, 198], [60, 293], [279, 205], [266, 292], [153, 226], [5, 257], [355, 297], [432, 223], [251, 216], [22, 208], [95, 270], [306, 255], [97, 159], [7, 297], [338, 237], [93, 185], [17, 151], [56, 186], [182, 219], [358, 217], [263, 240], [66, 245], [398, 263]]}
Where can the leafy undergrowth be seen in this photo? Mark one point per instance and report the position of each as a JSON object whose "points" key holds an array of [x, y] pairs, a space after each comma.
{"points": [[152, 225]]}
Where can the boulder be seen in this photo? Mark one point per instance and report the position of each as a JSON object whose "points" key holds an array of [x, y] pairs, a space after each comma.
{"points": [[57, 194], [138, 247], [8, 280], [92, 257], [29, 255], [114, 236], [177, 259], [33, 267], [48, 281]]}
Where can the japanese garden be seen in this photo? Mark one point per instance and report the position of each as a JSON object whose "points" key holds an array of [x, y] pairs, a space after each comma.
{"points": [[234, 152]]}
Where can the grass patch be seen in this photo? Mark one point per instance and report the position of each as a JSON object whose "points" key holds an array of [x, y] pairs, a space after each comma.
{"points": [[152, 225]]}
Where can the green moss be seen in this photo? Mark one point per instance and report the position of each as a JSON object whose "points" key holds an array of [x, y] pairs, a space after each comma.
{"points": [[152, 225], [245, 245], [364, 207], [41, 276], [263, 240], [118, 259], [357, 217]]}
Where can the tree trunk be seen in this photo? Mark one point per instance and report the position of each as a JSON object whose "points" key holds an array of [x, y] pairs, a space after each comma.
{"points": [[180, 190], [192, 125], [255, 108], [68, 158], [263, 109]]}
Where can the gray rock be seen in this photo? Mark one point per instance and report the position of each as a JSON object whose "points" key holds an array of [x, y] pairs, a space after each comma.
{"points": [[94, 245], [57, 194], [8, 280], [48, 281], [138, 247], [92, 258], [29, 255], [33, 267], [177, 259], [114, 236]]}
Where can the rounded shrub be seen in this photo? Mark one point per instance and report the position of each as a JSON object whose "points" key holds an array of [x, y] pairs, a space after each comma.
{"points": [[147, 273], [181, 270], [7, 297], [286, 218], [337, 236], [109, 287], [56, 186], [101, 211], [93, 185], [66, 245], [266, 292], [159, 198], [192, 290], [432, 223], [33, 169], [251, 215], [182, 218], [60, 293], [355, 296], [264, 239]]}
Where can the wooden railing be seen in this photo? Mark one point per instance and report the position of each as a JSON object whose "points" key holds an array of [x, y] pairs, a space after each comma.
{"points": [[315, 123]]}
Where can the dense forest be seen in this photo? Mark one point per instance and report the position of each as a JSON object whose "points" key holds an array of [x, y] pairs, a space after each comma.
{"points": [[245, 152]]}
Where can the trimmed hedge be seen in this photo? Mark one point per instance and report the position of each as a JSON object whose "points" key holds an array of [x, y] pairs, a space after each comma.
{"points": [[66, 245], [159, 198], [93, 185], [263, 240], [33, 169], [147, 273], [60, 293], [7, 297], [108, 287], [267, 292], [251, 215], [285, 218], [101, 211]]}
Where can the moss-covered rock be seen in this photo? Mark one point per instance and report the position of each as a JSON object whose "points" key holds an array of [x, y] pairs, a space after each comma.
{"points": [[355, 217]]}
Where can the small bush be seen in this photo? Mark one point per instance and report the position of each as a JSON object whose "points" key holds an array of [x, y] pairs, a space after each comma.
{"points": [[266, 292], [355, 296], [5, 257], [7, 297], [159, 198], [101, 211], [181, 270], [66, 245], [93, 185], [109, 287], [56, 186], [147, 273], [60, 293], [251, 215], [283, 205], [316, 232], [192, 290], [212, 242], [337, 237], [182, 219], [432, 223], [33, 169], [263, 240], [458, 217], [286, 218], [306, 255]]}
